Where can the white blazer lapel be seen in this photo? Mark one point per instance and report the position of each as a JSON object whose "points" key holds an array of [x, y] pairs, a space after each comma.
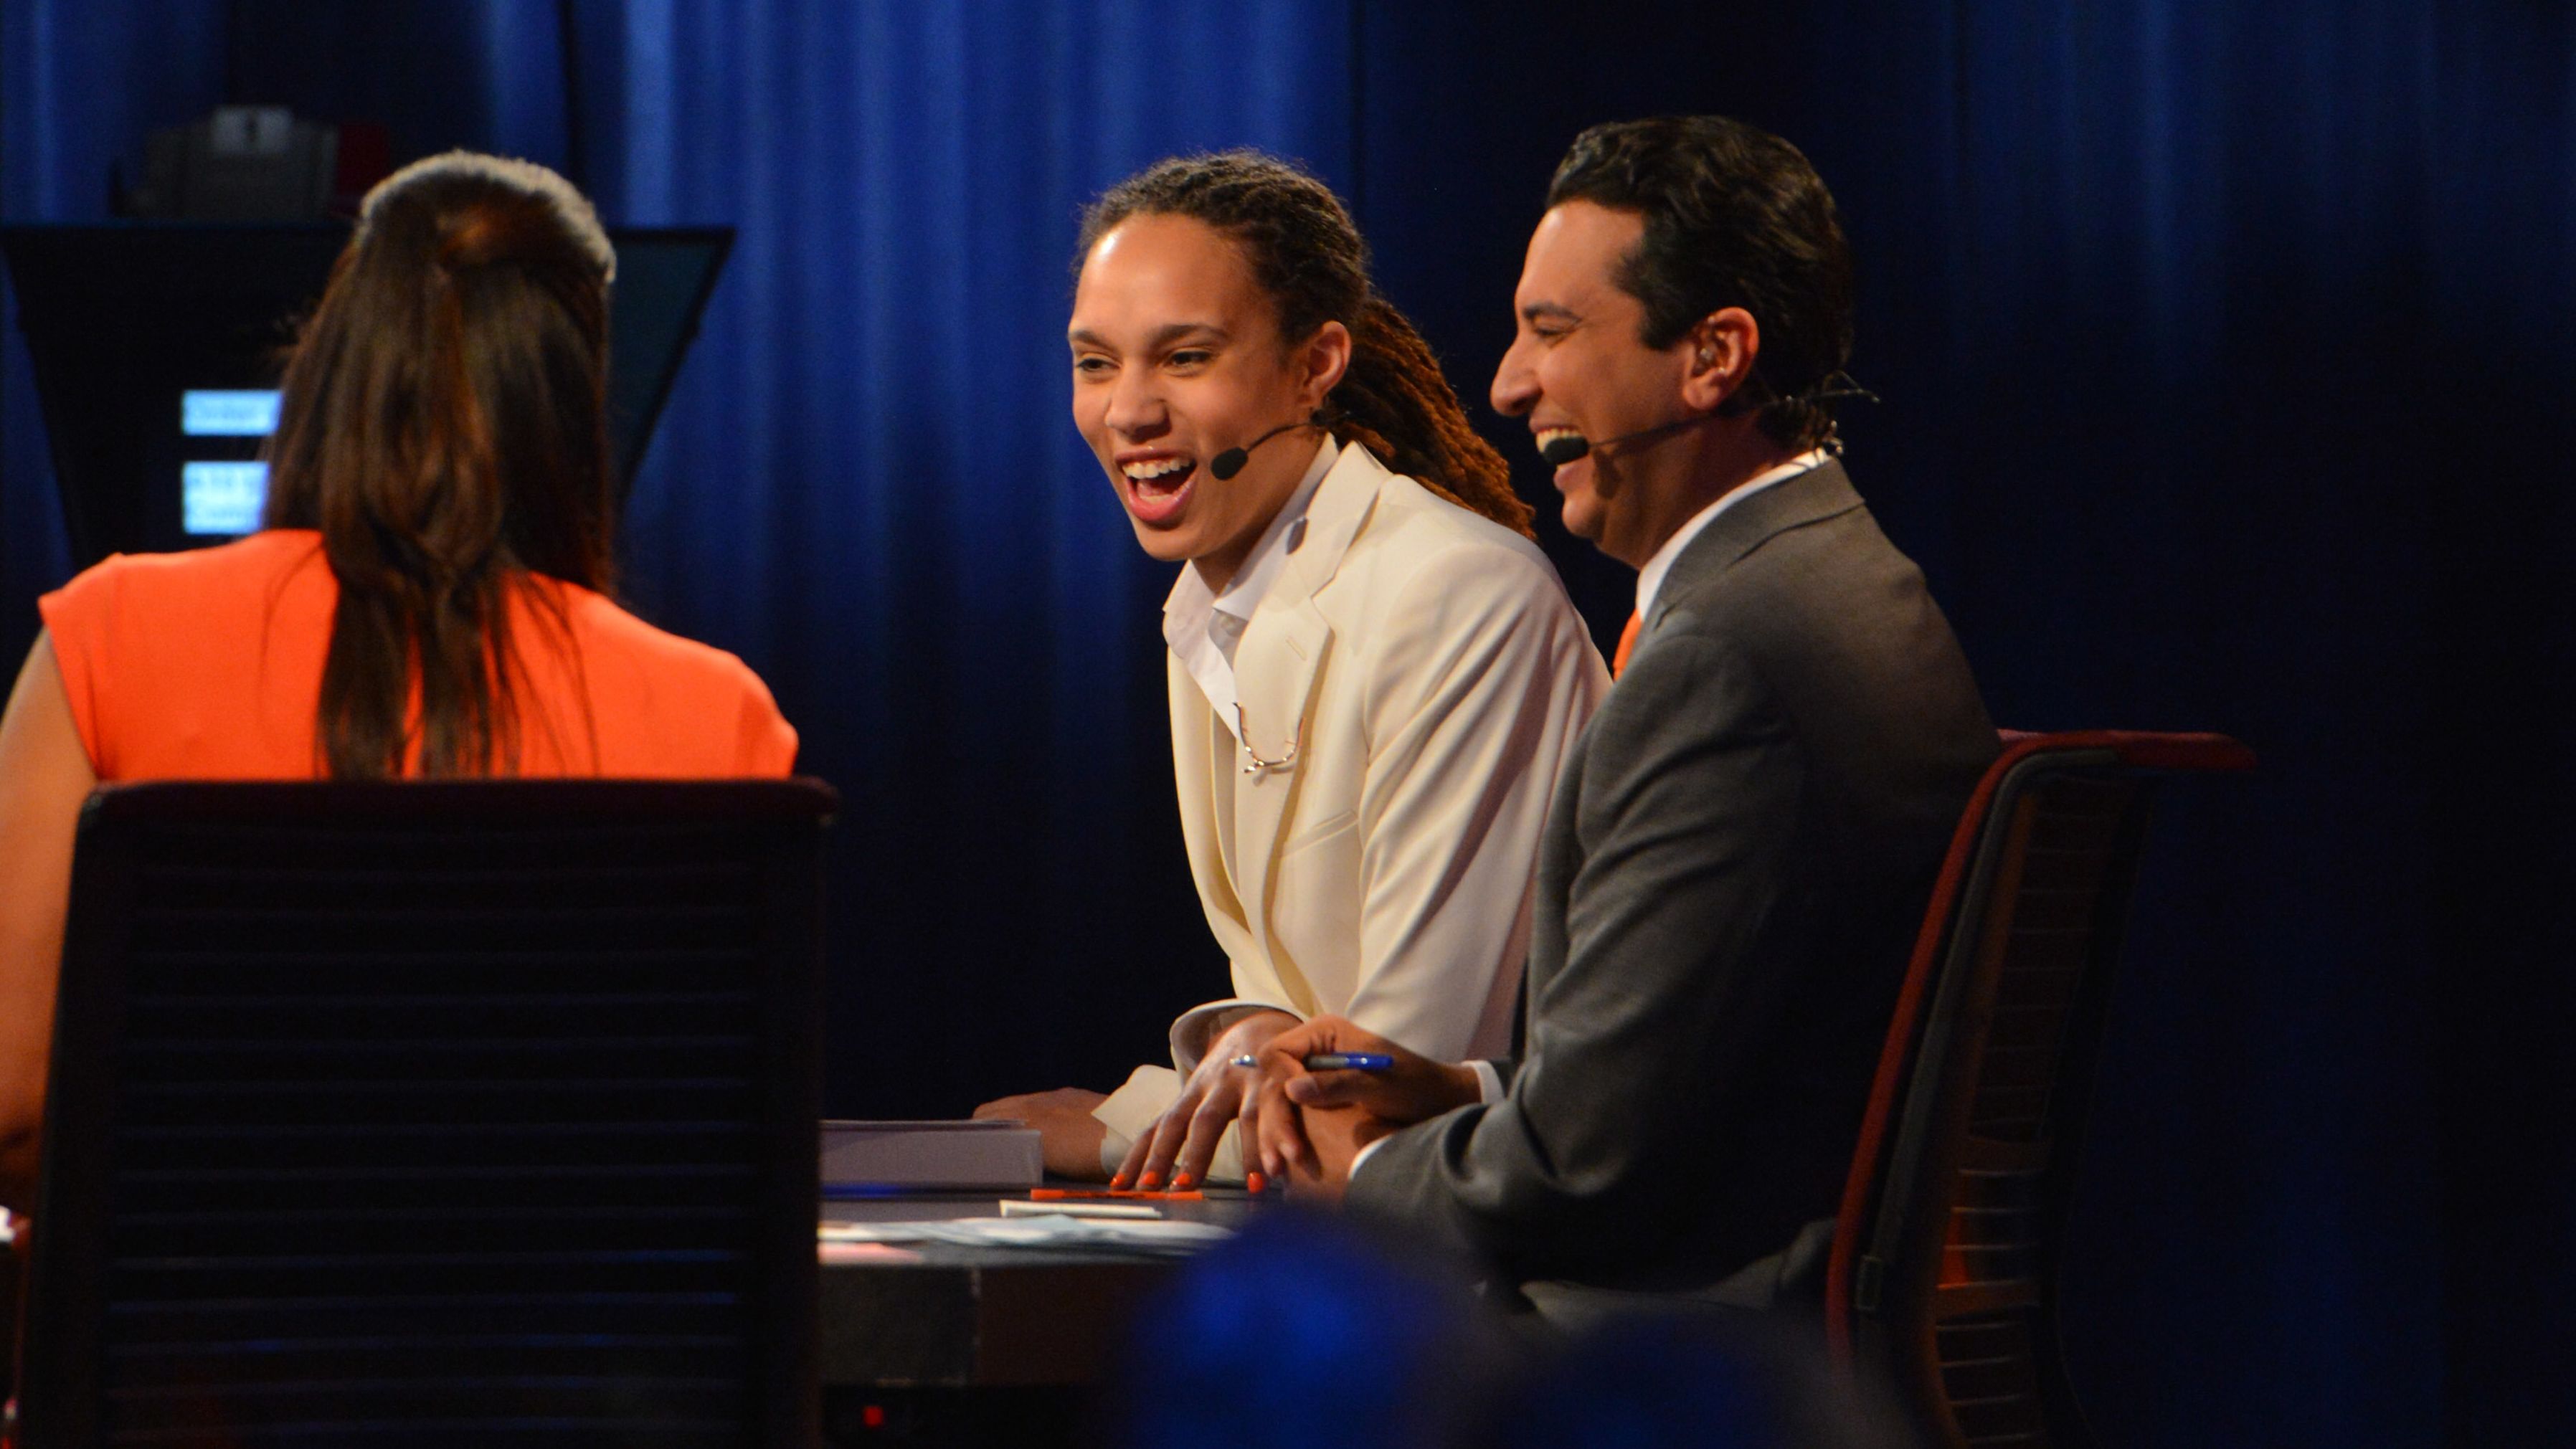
{"points": [[1283, 654], [1276, 667], [1196, 758]]}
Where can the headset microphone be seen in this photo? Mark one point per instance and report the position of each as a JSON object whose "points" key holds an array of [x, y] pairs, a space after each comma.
{"points": [[1230, 462], [1560, 451]]}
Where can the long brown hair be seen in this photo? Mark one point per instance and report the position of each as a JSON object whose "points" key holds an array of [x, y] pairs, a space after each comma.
{"points": [[1307, 255], [443, 427]]}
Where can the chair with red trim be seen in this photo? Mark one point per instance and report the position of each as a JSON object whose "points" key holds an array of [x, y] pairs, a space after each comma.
{"points": [[1943, 1277]]}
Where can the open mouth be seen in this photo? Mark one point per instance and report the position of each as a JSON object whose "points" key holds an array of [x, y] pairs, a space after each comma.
{"points": [[1156, 487]]}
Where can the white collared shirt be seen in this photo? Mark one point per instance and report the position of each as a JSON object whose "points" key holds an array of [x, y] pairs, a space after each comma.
{"points": [[1203, 628], [1650, 579]]}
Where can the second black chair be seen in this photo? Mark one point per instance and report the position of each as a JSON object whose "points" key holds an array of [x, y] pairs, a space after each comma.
{"points": [[1945, 1263], [433, 1114]]}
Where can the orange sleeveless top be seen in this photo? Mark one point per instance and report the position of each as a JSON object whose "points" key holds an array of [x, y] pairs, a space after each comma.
{"points": [[208, 665]]}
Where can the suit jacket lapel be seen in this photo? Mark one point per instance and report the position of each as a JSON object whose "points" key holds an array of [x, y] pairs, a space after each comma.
{"points": [[1276, 668], [1197, 757], [1819, 493]]}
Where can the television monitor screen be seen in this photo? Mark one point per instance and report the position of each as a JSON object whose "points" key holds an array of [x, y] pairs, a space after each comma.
{"points": [[157, 349], [221, 495]]}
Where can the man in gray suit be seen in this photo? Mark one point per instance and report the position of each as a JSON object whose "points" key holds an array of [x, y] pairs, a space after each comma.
{"points": [[1736, 864]]}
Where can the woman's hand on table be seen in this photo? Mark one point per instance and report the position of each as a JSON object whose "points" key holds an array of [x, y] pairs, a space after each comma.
{"points": [[1175, 1152], [1069, 1136]]}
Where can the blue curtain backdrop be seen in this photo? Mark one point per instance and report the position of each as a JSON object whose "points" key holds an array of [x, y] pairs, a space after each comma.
{"points": [[865, 482], [2224, 350], [79, 85]]}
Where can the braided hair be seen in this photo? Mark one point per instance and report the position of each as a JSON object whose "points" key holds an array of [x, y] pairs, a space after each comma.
{"points": [[1306, 253]]}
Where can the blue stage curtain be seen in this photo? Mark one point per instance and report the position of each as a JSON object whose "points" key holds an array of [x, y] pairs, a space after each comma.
{"points": [[80, 82], [2241, 382], [866, 481], [2225, 351]]}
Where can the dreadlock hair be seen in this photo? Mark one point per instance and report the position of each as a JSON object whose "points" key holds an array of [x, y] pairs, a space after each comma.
{"points": [[1306, 253], [442, 424], [1734, 217]]}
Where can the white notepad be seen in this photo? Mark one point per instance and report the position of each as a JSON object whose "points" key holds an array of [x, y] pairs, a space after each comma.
{"points": [[969, 1154]]}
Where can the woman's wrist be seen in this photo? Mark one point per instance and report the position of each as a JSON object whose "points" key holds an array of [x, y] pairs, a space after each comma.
{"points": [[1251, 1029]]}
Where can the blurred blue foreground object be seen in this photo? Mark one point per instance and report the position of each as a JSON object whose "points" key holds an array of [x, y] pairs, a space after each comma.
{"points": [[1306, 1330]]}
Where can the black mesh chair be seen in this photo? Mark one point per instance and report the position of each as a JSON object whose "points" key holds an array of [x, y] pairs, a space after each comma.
{"points": [[1943, 1278], [449, 1113]]}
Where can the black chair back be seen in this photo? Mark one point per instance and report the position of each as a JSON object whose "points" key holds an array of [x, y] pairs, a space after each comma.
{"points": [[1943, 1278], [412, 1113]]}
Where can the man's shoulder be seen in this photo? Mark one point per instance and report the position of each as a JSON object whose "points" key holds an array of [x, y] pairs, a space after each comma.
{"points": [[1805, 556], [1815, 610]]}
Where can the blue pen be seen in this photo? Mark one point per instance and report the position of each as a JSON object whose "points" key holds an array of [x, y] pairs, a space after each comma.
{"points": [[1334, 1062]]}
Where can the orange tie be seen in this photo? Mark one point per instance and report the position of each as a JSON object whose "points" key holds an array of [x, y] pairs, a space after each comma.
{"points": [[1627, 645]]}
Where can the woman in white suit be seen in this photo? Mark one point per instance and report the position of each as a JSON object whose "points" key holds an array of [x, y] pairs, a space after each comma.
{"points": [[1375, 675]]}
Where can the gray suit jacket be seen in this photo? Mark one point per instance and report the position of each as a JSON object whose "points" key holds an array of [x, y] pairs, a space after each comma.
{"points": [[1732, 872]]}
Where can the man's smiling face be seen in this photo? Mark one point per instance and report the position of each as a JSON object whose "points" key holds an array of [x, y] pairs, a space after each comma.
{"points": [[1578, 365]]}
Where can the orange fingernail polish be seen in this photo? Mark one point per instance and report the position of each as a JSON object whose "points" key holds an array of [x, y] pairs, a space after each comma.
{"points": [[1182, 1182], [1253, 1183], [1118, 1181], [1149, 1182]]}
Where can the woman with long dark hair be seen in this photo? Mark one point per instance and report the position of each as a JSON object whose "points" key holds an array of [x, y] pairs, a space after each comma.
{"points": [[427, 598], [1374, 675]]}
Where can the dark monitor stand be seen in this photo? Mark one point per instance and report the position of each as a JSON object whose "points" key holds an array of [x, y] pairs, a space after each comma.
{"points": [[157, 345]]}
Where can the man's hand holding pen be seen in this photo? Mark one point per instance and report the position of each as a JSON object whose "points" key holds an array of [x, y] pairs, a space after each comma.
{"points": [[1329, 1088]]}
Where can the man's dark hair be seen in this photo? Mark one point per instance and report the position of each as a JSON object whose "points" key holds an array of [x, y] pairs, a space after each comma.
{"points": [[1735, 217]]}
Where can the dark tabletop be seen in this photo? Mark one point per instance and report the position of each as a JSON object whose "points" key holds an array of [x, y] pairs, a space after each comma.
{"points": [[973, 1316]]}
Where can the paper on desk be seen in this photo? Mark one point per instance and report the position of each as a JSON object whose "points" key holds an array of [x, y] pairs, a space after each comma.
{"points": [[828, 1251], [1013, 1207], [1054, 1230]]}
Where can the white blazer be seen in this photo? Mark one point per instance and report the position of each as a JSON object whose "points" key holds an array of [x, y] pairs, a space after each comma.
{"points": [[1433, 678]]}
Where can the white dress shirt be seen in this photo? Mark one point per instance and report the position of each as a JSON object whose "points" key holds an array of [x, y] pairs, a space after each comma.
{"points": [[1203, 627]]}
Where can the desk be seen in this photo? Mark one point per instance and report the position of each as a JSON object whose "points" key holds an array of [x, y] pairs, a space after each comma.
{"points": [[985, 1317]]}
